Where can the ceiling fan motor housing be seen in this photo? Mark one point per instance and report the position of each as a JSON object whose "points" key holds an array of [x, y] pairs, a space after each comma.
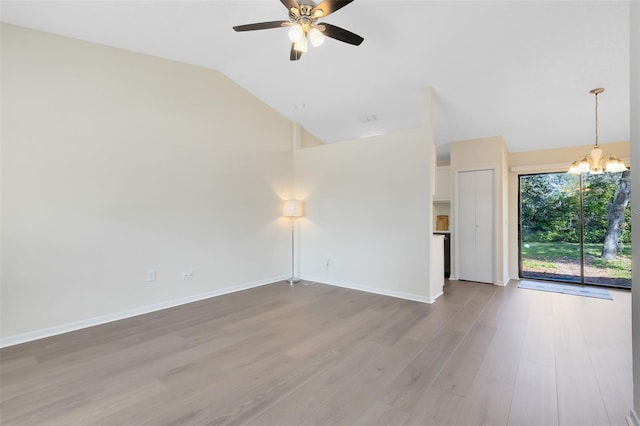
{"points": [[304, 16]]}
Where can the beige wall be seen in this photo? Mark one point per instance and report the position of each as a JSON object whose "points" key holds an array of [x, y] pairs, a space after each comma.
{"points": [[308, 140], [115, 163], [550, 160], [483, 154], [369, 211], [368, 207]]}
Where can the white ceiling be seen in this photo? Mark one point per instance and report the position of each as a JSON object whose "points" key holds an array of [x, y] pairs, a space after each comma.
{"points": [[520, 69]]}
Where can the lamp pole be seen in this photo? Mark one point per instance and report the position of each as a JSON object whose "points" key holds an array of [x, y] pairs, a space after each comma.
{"points": [[293, 209], [293, 279]]}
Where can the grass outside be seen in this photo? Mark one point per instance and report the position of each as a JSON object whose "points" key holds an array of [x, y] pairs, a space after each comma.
{"points": [[547, 256]]}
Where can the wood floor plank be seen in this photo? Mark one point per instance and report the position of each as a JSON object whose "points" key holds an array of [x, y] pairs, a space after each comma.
{"points": [[579, 398], [381, 414], [508, 305], [362, 324], [487, 403], [43, 386], [469, 313], [535, 400], [313, 394], [539, 344], [460, 370], [606, 333], [436, 407], [130, 396], [318, 354], [354, 397], [398, 323], [502, 357], [509, 314], [407, 389], [425, 329]]}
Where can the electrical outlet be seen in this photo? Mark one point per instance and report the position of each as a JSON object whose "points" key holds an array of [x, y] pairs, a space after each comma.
{"points": [[187, 275], [151, 275]]}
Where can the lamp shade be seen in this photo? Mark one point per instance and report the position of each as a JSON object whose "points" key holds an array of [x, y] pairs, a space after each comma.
{"points": [[292, 208]]}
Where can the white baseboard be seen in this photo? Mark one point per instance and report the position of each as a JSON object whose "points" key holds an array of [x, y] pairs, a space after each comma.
{"points": [[432, 299], [504, 282], [374, 290], [452, 278], [635, 420], [90, 322]]}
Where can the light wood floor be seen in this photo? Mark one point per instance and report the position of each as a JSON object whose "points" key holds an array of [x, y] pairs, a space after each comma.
{"points": [[281, 355]]}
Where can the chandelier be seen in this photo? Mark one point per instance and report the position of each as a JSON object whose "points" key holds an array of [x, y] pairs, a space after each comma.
{"points": [[597, 161]]}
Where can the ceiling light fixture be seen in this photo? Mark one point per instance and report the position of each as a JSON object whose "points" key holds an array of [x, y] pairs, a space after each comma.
{"points": [[597, 161], [295, 33], [316, 37], [302, 23]]}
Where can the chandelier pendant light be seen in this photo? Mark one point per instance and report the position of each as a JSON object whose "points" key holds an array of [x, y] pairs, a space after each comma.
{"points": [[597, 161]]}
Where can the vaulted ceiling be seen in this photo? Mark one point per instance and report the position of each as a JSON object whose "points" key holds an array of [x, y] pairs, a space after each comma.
{"points": [[521, 69]]}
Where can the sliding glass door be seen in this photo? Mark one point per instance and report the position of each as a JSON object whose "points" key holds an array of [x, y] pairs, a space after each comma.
{"points": [[550, 227], [576, 228], [607, 229]]}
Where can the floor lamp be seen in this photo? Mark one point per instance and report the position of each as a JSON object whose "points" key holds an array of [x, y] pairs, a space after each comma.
{"points": [[293, 209]]}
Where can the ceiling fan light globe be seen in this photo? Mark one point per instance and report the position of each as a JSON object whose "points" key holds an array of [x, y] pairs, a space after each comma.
{"points": [[301, 46], [296, 33], [316, 37]]}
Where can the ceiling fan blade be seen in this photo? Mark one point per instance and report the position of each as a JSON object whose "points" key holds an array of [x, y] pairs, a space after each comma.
{"points": [[341, 34], [261, 26], [327, 7], [294, 55], [290, 4]]}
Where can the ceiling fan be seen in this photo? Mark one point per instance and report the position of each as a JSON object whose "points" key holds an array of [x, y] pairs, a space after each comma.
{"points": [[302, 23]]}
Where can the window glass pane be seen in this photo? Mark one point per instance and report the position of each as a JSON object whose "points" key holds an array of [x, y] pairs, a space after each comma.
{"points": [[550, 227], [607, 229]]}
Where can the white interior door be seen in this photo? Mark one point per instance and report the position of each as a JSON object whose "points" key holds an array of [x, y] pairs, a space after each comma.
{"points": [[485, 253], [466, 226], [475, 223]]}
